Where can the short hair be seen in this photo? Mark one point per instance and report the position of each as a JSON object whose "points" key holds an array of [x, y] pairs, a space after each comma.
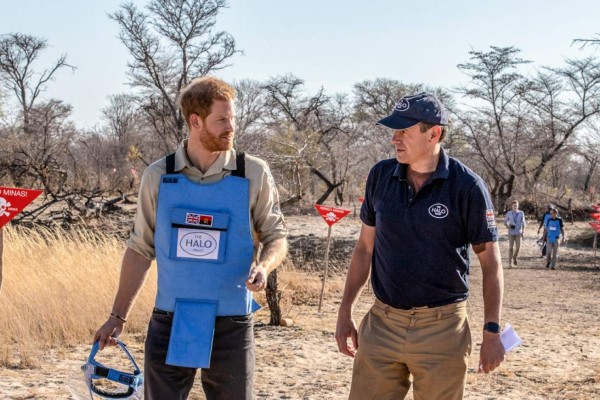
{"points": [[514, 202], [425, 126], [197, 97]]}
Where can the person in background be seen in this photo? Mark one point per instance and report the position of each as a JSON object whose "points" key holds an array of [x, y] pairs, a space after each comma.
{"points": [[553, 230], [543, 221], [422, 211], [546, 217], [515, 222]]}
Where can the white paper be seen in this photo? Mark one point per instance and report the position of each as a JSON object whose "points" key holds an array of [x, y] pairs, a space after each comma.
{"points": [[509, 338]]}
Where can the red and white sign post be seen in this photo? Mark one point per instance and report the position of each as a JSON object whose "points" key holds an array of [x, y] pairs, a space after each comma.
{"points": [[13, 201], [331, 215]]}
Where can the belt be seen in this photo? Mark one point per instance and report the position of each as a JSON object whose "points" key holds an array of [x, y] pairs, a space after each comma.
{"points": [[423, 309], [162, 312]]}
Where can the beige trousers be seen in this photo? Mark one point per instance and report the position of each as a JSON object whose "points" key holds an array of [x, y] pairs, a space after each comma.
{"points": [[514, 244], [431, 344], [552, 252]]}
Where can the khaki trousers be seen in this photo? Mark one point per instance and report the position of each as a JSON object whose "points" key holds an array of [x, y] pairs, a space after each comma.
{"points": [[514, 244], [431, 344], [552, 253]]}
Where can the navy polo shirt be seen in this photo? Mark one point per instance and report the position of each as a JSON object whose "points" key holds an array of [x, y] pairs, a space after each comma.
{"points": [[421, 255]]}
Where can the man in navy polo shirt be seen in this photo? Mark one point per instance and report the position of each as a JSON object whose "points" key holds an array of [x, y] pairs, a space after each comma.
{"points": [[421, 212]]}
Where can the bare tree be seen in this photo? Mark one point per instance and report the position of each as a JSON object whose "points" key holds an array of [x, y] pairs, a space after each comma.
{"points": [[37, 158], [18, 54], [250, 111], [587, 147], [171, 43], [584, 42], [561, 101], [305, 132], [493, 123]]}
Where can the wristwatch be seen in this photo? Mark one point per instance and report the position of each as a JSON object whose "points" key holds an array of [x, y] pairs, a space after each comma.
{"points": [[491, 327]]}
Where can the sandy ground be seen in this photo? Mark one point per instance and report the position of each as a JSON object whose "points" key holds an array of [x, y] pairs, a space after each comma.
{"points": [[557, 314]]}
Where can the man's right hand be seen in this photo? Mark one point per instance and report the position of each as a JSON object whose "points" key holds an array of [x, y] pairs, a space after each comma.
{"points": [[108, 333], [346, 328]]}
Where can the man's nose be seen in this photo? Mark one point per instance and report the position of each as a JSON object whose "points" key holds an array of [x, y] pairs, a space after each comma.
{"points": [[395, 137]]}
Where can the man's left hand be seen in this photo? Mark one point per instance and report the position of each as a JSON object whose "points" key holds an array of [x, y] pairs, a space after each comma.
{"points": [[257, 278], [492, 352]]}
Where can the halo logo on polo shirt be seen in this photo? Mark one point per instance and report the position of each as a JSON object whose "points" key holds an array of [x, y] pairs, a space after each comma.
{"points": [[402, 105], [438, 211]]}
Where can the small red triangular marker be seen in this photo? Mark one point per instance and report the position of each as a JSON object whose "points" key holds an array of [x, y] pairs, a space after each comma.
{"points": [[13, 201], [331, 215]]}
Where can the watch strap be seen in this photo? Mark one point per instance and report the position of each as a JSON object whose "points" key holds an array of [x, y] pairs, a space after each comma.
{"points": [[491, 327]]}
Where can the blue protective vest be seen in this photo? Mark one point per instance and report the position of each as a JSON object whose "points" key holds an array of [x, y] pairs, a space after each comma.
{"points": [[553, 226], [203, 240]]}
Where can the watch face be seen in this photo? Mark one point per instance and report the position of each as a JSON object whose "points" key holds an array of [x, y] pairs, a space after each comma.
{"points": [[492, 327]]}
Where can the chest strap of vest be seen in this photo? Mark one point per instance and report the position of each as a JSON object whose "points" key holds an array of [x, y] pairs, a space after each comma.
{"points": [[240, 164]]}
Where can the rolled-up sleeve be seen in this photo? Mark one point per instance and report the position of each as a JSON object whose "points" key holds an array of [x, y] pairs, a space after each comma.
{"points": [[141, 239], [265, 209]]}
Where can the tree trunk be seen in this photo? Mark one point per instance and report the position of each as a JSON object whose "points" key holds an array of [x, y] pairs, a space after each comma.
{"points": [[273, 298], [330, 186], [588, 177]]}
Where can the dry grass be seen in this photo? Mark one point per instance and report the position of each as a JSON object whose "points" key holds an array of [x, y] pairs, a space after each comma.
{"points": [[57, 290]]}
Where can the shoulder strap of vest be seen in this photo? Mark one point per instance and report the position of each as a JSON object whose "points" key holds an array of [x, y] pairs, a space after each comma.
{"points": [[240, 164], [170, 163]]}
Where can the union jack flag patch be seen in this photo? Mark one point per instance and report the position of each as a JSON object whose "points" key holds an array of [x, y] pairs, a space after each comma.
{"points": [[490, 218], [198, 219]]}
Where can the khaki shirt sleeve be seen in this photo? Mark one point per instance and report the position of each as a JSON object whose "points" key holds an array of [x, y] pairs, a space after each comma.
{"points": [[264, 202], [141, 239]]}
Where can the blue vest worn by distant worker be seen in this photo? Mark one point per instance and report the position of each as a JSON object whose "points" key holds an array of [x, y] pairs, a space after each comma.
{"points": [[204, 250], [554, 226]]}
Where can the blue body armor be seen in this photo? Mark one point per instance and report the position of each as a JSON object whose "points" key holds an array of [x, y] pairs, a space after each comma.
{"points": [[204, 250], [203, 241]]}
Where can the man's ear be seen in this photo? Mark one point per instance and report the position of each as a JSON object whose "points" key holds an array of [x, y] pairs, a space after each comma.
{"points": [[196, 121], [436, 131]]}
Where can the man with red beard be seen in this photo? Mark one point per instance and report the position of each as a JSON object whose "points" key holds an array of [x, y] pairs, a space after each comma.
{"points": [[203, 213]]}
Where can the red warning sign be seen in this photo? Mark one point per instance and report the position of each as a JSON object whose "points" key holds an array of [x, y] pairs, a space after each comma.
{"points": [[596, 216], [596, 226], [331, 215], [13, 201]]}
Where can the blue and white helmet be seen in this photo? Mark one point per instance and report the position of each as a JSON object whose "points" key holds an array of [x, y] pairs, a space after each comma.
{"points": [[94, 380]]}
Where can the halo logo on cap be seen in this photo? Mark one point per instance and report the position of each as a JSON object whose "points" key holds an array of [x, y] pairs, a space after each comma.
{"points": [[402, 105]]}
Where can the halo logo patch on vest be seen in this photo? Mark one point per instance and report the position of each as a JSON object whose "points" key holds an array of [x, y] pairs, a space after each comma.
{"points": [[198, 219], [438, 210], [194, 243]]}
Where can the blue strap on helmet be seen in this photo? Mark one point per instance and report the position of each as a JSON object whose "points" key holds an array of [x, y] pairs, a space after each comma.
{"points": [[95, 370]]}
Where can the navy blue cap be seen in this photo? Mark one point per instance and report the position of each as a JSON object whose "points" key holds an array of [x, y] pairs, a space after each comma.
{"points": [[411, 110]]}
